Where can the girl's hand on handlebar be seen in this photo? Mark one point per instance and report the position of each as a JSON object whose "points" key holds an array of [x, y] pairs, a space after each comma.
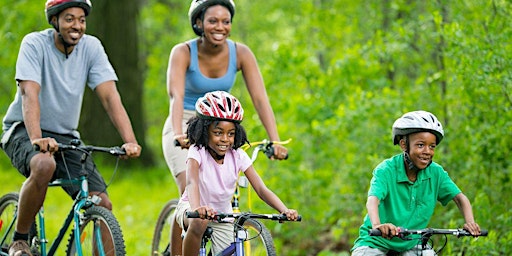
{"points": [[473, 228], [291, 214], [280, 152], [388, 230], [132, 150], [206, 212]]}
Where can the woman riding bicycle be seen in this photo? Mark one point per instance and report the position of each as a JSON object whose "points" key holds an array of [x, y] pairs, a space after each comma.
{"points": [[208, 63], [405, 188], [214, 162]]}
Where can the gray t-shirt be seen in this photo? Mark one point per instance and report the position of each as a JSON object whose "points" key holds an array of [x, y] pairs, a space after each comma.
{"points": [[62, 79]]}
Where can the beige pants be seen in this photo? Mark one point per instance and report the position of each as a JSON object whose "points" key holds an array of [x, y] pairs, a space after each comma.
{"points": [[175, 157]]}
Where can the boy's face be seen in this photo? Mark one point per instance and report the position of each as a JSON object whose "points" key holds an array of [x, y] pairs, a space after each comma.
{"points": [[221, 136], [421, 148]]}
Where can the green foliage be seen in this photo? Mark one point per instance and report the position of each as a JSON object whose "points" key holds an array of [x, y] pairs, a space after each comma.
{"points": [[338, 73]]}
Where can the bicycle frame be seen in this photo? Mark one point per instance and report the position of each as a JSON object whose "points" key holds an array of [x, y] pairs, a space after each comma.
{"points": [[236, 248], [82, 202]]}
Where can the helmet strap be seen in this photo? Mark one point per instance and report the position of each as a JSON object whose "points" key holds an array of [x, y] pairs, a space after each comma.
{"points": [[410, 165], [64, 43]]}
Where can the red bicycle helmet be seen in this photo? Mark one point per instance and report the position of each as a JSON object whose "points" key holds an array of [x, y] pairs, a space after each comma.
{"points": [[54, 7], [220, 105], [198, 6]]}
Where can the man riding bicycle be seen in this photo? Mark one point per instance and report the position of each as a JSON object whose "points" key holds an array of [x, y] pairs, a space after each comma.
{"points": [[52, 69]]}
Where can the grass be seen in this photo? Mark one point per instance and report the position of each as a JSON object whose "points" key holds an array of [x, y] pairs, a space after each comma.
{"points": [[137, 196]]}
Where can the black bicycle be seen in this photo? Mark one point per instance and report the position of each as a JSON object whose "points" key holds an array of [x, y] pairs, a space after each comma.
{"points": [[424, 235], [95, 229]]}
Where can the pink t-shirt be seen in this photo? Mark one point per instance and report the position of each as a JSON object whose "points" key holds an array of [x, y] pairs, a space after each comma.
{"points": [[217, 182]]}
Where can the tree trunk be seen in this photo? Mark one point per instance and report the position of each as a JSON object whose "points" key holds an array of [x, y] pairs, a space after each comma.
{"points": [[115, 24]]}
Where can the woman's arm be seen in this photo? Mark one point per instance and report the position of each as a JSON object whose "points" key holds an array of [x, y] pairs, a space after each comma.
{"points": [[254, 81], [179, 61]]}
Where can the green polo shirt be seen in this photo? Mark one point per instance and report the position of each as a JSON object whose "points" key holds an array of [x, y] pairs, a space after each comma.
{"points": [[404, 203]]}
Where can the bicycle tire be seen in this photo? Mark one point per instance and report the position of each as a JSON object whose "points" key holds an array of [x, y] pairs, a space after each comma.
{"points": [[160, 244], [260, 241], [8, 208], [92, 216]]}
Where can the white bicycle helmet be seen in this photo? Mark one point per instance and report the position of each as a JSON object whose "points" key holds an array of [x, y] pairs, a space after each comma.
{"points": [[54, 7], [197, 7], [220, 105], [417, 121]]}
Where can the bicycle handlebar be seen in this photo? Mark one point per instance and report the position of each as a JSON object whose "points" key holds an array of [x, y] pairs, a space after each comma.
{"points": [[266, 146], [221, 216], [76, 145], [403, 232]]}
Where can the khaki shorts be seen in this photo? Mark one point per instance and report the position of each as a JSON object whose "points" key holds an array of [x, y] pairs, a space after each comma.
{"points": [[222, 232], [175, 157]]}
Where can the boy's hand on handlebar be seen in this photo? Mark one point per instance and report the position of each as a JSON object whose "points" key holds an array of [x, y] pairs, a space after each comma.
{"points": [[45, 145], [473, 228], [388, 230], [280, 152], [291, 214], [132, 150]]}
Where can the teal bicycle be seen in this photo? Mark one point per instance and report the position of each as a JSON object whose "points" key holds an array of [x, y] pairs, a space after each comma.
{"points": [[95, 229]]}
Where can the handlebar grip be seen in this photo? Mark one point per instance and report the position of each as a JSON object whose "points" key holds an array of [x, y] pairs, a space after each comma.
{"points": [[483, 232], [374, 232], [36, 147], [177, 143], [269, 151], [192, 214]]}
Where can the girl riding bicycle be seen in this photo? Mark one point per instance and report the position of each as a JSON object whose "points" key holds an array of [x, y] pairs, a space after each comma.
{"points": [[405, 188], [214, 162]]}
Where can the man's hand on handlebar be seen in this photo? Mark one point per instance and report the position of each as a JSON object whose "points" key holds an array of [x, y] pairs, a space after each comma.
{"points": [[132, 150], [45, 145]]}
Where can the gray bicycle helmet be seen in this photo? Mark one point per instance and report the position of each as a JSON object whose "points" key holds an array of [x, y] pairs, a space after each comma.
{"points": [[417, 121], [197, 7]]}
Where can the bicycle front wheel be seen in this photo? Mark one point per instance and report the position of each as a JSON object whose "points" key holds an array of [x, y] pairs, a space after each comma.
{"points": [[98, 222], [259, 241], [8, 207], [162, 234]]}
